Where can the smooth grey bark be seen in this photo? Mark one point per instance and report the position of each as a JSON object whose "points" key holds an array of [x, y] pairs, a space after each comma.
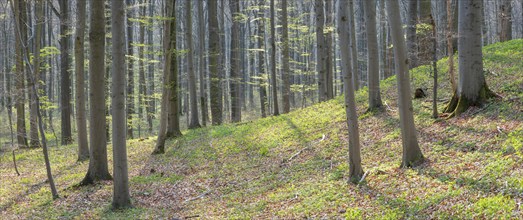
{"points": [[235, 75], [214, 65], [412, 155], [329, 53], [505, 20], [130, 69], [121, 197], [20, 17], [203, 67], [320, 48], [273, 61], [286, 73], [194, 119], [354, 49], [151, 102], [412, 20], [373, 74], [33, 115], [262, 68], [434, 70], [81, 121], [98, 167], [344, 27], [65, 87], [171, 82], [142, 88]]}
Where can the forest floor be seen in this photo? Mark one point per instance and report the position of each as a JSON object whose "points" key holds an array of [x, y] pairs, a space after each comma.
{"points": [[295, 165]]}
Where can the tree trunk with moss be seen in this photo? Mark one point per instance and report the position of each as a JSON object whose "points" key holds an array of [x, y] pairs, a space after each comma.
{"points": [[472, 88]]}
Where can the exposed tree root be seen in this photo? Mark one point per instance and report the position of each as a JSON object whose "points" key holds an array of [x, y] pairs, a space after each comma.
{"points": [[459, 104]]}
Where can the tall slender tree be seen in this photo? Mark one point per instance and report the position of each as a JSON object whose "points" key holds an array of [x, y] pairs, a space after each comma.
{"points": [[373, 75], [21, 18], [98, 166], [202, 59], [354, 48], [214, 65], [169, 119], [320, 48], [194, 122], [65, 81], [262, 68], [81, 122], [130, 69], [286, 73], [412, 155], [273, 60], [344, 28], [412, 20], [235, 80], [121, 197]]}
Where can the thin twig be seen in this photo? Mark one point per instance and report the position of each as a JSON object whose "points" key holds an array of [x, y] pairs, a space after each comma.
{"points": [[198, 197]]}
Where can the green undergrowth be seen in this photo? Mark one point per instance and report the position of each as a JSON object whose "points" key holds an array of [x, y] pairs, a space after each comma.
{"points": [[295, 165]]}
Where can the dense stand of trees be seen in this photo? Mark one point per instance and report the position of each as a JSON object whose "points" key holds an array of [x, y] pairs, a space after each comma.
{"points": [[160, 60]]}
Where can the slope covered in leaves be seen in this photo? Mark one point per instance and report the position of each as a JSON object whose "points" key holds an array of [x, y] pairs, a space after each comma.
{"points": [[294, 165]]}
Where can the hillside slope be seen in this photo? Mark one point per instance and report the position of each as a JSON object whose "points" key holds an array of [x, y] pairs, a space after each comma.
{"points": [[294, 165]]}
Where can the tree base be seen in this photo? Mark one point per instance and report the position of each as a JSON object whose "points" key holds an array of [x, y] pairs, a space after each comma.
{"points": [[413, 162], [90, 180], [459, 104]]}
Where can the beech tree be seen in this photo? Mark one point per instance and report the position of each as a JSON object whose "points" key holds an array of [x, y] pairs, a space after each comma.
{"points": [[65, 87], [472, 87], [214, 65], [235, 80], [286, 73], [373, 75], [273, 60], [193, 99], [412, 155], [81, 122], [344, 29], [121, 197], [98, 166]]}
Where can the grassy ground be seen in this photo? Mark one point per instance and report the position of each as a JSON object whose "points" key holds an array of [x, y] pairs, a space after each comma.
{"points": [[294, 165]]}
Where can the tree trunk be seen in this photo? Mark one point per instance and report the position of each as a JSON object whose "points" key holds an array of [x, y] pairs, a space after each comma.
{"points": [[81, 123], [130, 69], [121, 197], [412, 20], [329, 53], [21, 17], [151, 103], [194, 121], [173, 118], [33, 130], [98, 167], [412, 155], [344, 27], [286, 74], [373, 75], [65, 87], [354, 49], [214, 65], [434, 69], [273, 60], [262, 68], [320, 47], [141, 69], [235, 77], [203, 81], [472, 88], [505, 20]]}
